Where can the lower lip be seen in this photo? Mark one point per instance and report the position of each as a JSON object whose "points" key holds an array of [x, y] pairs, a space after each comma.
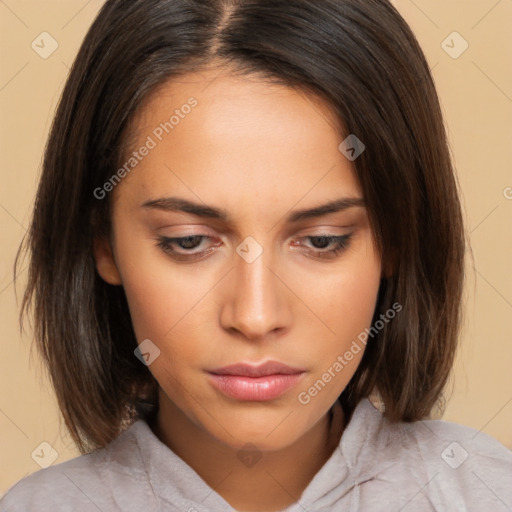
{"points": [[257, 389]]}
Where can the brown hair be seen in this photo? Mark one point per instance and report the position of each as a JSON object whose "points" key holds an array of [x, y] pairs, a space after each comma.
{"points": [[361, 57]]}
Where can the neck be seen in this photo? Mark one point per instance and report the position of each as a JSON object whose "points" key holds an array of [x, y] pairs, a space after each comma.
{"points": [[267, 481]]}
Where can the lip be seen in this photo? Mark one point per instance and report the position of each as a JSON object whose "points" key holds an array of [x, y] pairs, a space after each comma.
{"points": [[248, 382], [259, 370]]}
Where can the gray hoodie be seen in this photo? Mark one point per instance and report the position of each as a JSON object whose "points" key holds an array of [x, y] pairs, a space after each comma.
{"points": [[421, 466]]}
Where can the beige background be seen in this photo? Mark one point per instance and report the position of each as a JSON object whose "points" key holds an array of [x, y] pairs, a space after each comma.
{"points": [[476, 94]]}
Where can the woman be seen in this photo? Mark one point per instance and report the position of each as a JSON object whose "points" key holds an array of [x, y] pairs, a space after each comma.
{"points": [[247, 226]]}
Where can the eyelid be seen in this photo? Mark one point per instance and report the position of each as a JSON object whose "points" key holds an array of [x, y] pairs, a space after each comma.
{"points": [[325, 229], [312, 231], [338, 243]]}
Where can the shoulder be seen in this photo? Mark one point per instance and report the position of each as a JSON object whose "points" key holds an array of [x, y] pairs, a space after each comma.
{"points": [[432, 439], [84, 483], [465, 467], [444, 464], [457, 446]]}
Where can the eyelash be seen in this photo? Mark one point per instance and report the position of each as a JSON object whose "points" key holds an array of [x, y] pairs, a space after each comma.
{"points": [[341, 244]]}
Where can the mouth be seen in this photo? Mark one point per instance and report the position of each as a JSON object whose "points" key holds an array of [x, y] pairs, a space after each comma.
{"points": [[260, 370], [248, 382]]}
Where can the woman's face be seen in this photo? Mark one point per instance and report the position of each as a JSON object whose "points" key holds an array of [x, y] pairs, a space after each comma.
{"points": [[253, 280]]}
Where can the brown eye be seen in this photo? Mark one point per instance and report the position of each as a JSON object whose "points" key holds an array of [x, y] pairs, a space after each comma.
{"points": [[338, 244], [181, 247]]}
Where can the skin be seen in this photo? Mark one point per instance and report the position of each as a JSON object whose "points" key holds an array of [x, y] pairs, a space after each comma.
{"points": [[260, 151]]}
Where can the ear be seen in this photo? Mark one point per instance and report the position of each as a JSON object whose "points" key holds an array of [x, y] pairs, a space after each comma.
{"points": [[105, 263]]}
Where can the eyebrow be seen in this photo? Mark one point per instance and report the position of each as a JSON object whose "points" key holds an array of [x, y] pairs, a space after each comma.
{"points": [[177, 204]]}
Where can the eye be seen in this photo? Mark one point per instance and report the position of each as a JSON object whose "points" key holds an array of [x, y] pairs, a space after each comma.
{"points": [[185, 244], [180, 248], [337, 243]]}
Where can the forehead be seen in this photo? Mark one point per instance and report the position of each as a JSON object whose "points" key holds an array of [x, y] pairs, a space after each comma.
{"points": [[213, 132], [216, 87]]}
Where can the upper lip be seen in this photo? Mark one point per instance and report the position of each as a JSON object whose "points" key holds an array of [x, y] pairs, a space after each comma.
{"points": [[261, 370]]}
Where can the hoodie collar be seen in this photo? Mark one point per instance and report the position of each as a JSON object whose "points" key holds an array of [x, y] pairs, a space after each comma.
{"points": [[175, 483]]}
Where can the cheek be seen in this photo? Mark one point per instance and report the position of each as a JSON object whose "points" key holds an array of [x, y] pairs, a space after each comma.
{"points": [[345, 297], [158, 294], [162, 304], [345, 303], [168, 305]]}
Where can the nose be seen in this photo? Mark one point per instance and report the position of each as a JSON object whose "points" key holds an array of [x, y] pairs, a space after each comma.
{"points": [[256, 306]]}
